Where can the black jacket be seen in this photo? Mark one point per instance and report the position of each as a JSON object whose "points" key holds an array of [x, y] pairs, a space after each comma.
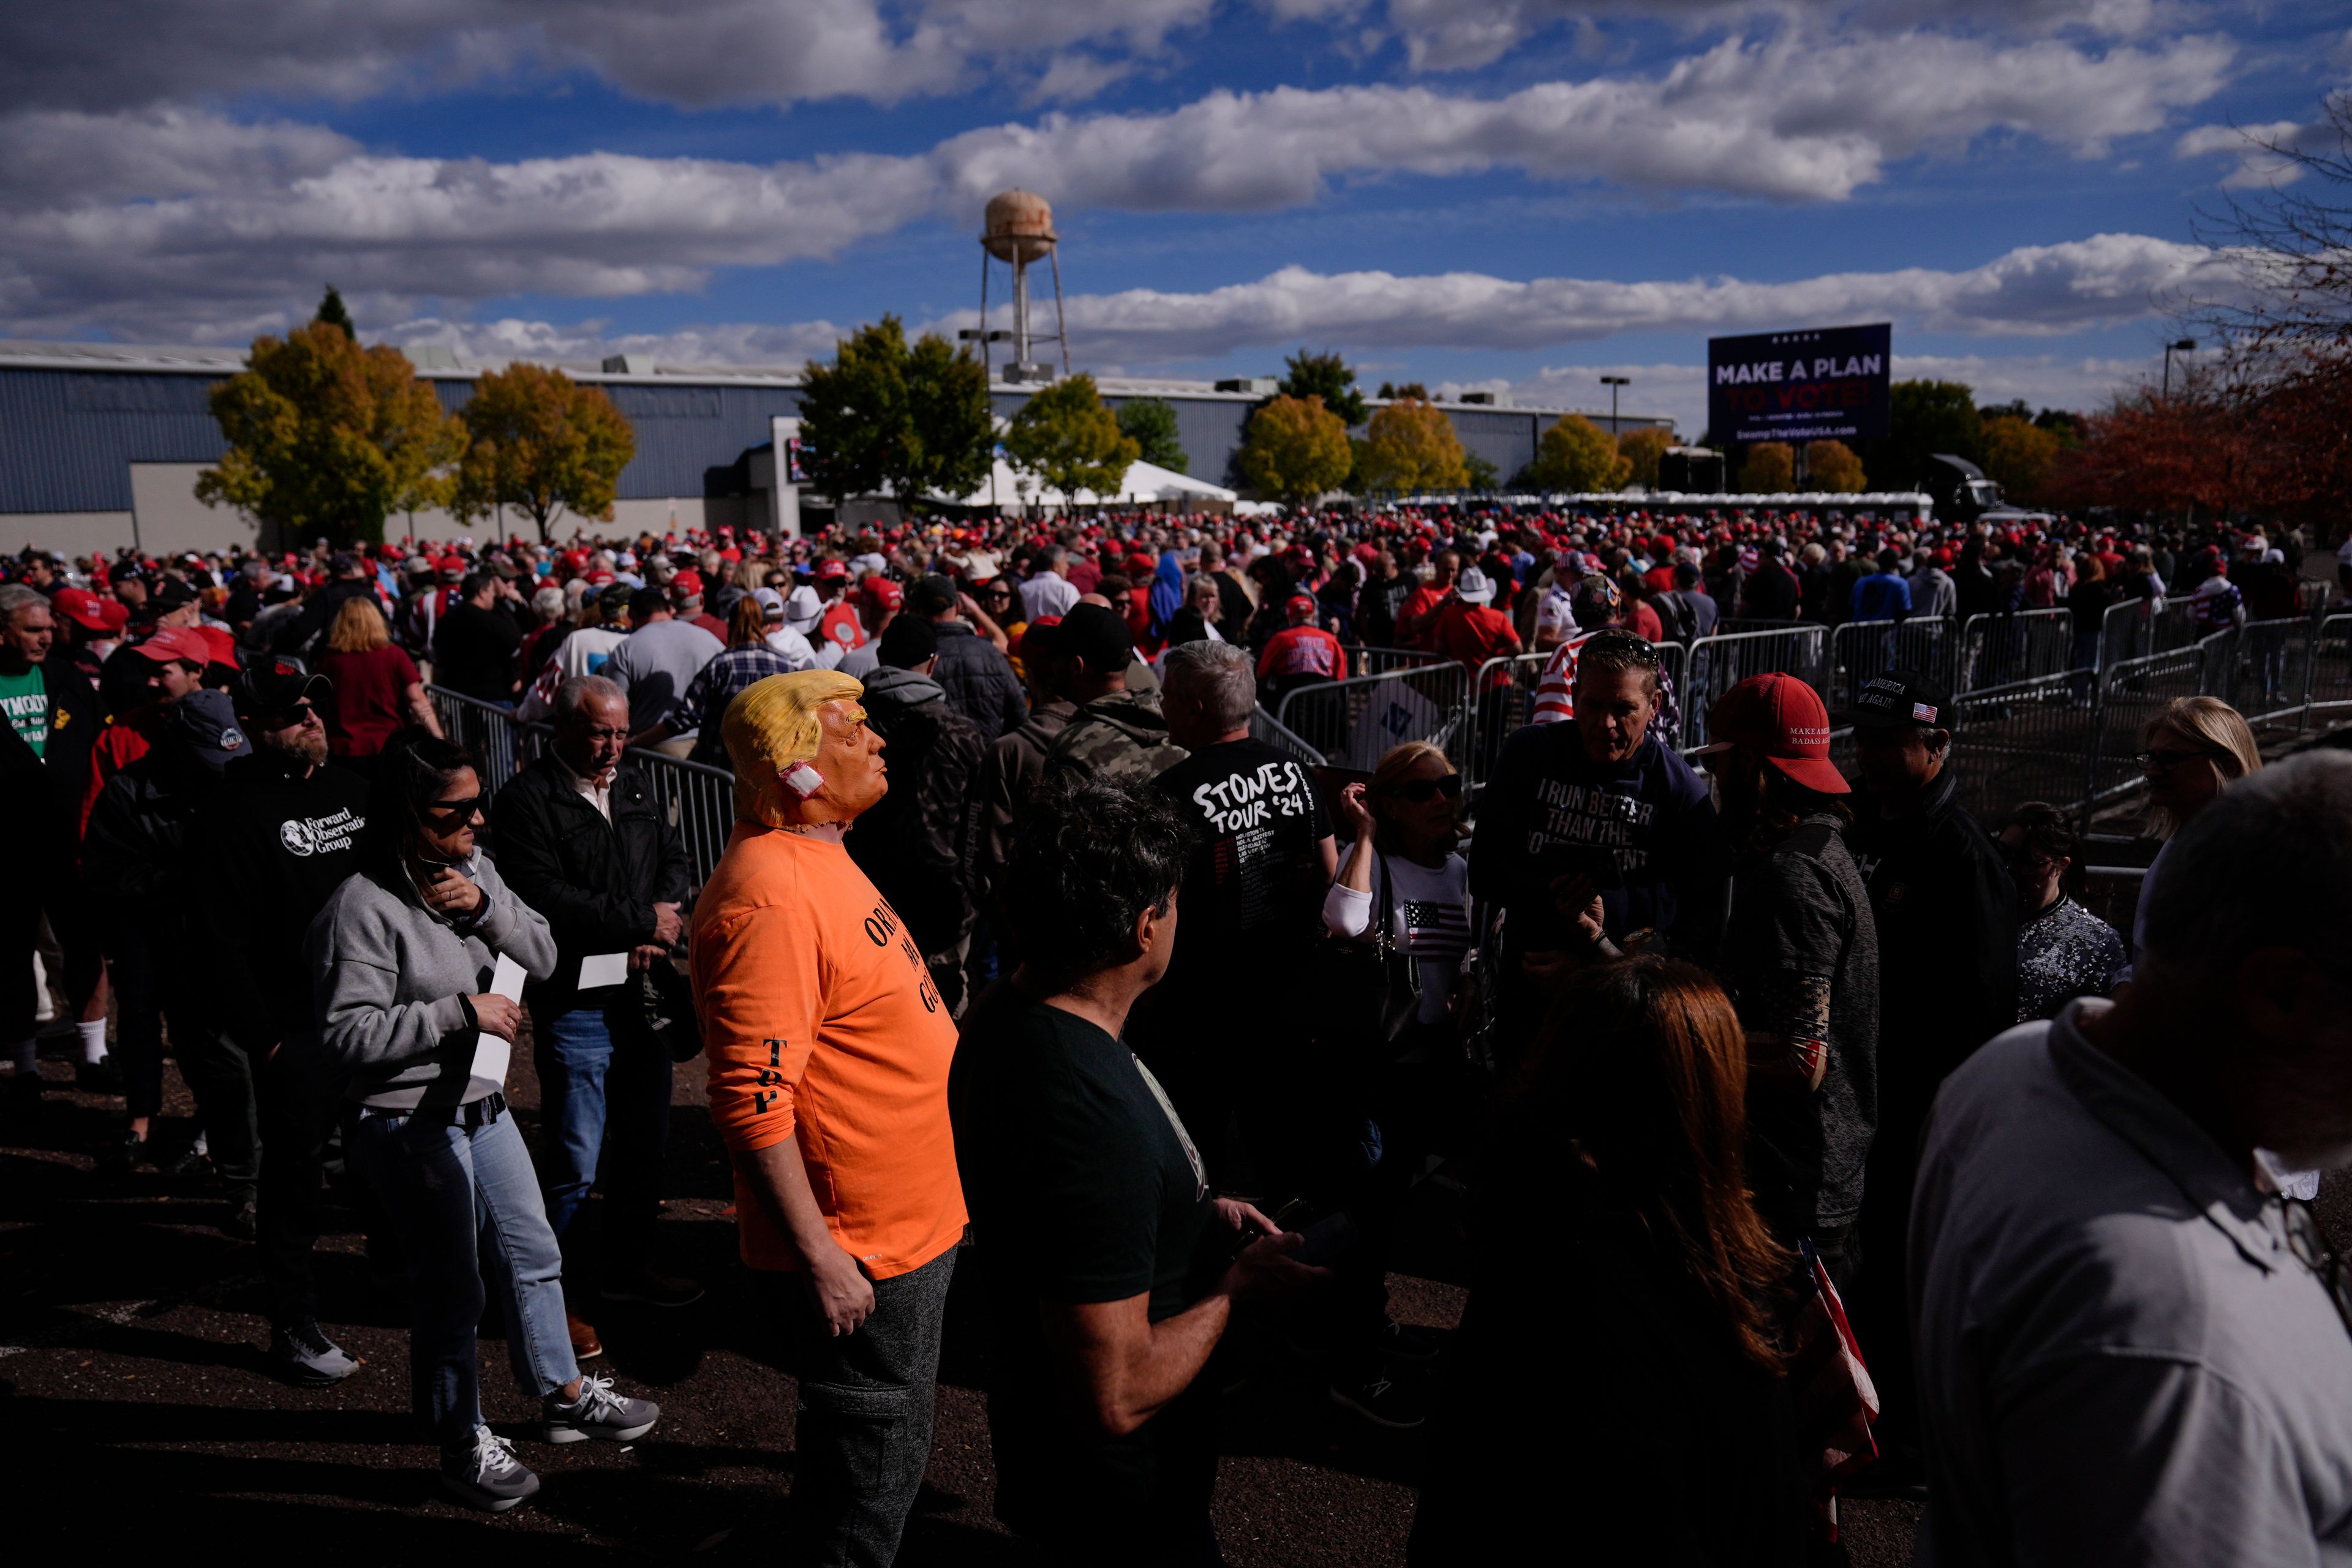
{"points": [[273, 845], [1946, 914], [919, 843], [979, 680], [596, 882], [135, 856], [41, 797]]}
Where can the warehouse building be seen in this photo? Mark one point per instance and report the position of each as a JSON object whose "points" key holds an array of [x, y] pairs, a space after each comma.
{"points": [[101, 444]]}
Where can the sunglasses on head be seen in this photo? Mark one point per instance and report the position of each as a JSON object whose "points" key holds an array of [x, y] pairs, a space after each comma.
{"points": [[1640, 650], [1420, 791]]}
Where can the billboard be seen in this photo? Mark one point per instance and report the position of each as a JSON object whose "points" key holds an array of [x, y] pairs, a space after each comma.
{"points": [[1826, 384]]}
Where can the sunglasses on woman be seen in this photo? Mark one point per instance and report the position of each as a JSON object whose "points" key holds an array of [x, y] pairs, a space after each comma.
{"points": [[1421, 791], [1640, 650]]}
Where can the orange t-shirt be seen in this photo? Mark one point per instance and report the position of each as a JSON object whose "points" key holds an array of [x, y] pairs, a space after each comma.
{"points": [[821, 1022]]}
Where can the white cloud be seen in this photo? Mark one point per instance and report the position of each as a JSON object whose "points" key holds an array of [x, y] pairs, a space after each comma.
{"points": [[786, 346], [2260, 151]]}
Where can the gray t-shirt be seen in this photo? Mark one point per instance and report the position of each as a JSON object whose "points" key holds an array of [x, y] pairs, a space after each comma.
{"points": [[656, 666], [2121, 1359], [1801, 953]]}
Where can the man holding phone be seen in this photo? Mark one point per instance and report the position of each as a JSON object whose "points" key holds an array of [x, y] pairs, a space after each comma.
{"points": [[1595, 834]]}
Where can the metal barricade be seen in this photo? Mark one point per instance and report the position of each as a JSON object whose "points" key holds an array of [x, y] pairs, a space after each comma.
{"points": [[1267, 728], [2025, 740], [2269, 677], [2005, 647], [2134, 690], [1381, 660], [1863, 651], [1716, 665], [2329, 691], [1505, 702], [1354, 723], [492, 739], [697, 799]]}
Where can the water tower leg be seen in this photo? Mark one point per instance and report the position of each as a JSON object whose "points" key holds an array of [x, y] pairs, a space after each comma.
{"points": [[1061, 327]]}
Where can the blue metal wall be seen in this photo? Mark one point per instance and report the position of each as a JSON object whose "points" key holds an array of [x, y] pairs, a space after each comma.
{"points": [[68, 439]]}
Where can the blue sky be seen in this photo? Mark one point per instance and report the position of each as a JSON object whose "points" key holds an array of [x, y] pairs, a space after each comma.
{"points": [[1520, 193]]}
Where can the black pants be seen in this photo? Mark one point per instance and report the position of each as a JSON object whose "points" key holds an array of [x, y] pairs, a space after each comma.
{"points": [[865, 1415], [154, 986], [297, 1112], [54, 890]]}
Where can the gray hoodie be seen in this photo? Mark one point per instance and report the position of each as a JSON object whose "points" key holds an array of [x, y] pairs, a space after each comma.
{"points": [[392, 976]]}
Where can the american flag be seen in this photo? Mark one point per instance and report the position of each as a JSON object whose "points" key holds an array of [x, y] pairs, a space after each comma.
{"points": [[1433, 929]]}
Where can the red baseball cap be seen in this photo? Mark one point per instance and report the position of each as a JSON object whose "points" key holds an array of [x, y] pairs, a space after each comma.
{"points": [[451, 565], [882, 592], [221, 648], [828, 571], [176, 643], [1781, 717], [80, 605], [686, 585]]}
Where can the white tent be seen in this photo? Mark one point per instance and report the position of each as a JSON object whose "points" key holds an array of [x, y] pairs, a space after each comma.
{"points": [[1142, 483]]}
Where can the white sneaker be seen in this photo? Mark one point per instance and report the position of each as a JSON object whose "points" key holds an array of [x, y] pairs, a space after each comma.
{"points": [[598, 1413], [488, 1475]]}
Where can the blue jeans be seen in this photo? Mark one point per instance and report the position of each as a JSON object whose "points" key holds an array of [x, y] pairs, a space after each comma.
{"points": [[596, 1079], [464, 1201]]}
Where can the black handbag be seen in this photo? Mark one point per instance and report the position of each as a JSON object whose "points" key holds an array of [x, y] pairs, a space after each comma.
{"points": [[1369, 990]]}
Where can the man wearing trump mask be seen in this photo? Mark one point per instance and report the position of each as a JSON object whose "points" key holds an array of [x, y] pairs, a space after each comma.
{"points": [[829, 1052]]}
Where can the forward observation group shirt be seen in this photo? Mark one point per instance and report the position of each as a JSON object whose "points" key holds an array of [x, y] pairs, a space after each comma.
{"points": [[821, 1023]]}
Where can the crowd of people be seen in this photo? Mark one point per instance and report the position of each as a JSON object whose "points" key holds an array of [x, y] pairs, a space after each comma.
{"points": [[1027, 957]]}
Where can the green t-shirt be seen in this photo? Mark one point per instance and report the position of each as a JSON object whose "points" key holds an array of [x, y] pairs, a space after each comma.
{"points": [[25, 700]]}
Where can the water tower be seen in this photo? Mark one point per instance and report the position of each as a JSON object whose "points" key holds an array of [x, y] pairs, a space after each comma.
{"points": [[1018, 231]]}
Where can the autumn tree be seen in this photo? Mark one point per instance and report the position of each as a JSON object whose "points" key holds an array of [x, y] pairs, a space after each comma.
{"points": [[326, 438], [1328, 377], [2018, 457], [1294, 450], [1832, 466], [1067, 437], [333, 312], [1641, 449], [914, 418], [1577, 456], [542, 444], [1150, 424], [1410, 446], [1770, 468]]}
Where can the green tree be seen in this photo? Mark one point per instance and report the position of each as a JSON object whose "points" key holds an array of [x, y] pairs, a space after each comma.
{"points": [[1327, 376], [1410, 446], [1478, 474], [1294, 450], [916, 419], [541, 444], [1833, 466], [1577, 456], [1770, 468], [1924, 418], [331, 311], [1067, 437], [1641, 449], [1410, 389], [1151, 425], [326, 439]]}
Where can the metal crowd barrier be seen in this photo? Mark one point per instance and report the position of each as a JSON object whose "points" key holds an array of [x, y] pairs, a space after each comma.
{"points": [[2131, 692], [1863, 651], [1353, 723], [2026, 741], [1381, 660], [2004, 648], [1714, 665], [1266, 727], [2331, 666], [697, 799]]}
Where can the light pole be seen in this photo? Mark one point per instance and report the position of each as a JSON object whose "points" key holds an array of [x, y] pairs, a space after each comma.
{"points": [[1612, 382], [2186, 346]]}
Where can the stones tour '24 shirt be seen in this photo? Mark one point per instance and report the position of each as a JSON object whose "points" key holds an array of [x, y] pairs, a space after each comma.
{"points": [[1253, 895]]}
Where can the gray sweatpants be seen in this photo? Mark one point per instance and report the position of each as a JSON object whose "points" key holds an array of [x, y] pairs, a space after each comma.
{"points": [[864, 1416]]}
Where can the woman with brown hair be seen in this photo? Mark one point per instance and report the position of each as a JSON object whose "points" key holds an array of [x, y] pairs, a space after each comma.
{"points": [[2064, 950], [377, 690], [1619, 1373]]}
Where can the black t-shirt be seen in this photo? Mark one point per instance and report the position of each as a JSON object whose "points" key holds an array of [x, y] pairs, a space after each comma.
{"points": [[476, 651], [1252, 894], [1082, 1188]]}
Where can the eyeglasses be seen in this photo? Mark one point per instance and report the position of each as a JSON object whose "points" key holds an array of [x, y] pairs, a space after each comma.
{"points": [[2165, 762], [459, 810], [2309, 1244], [301, 713], [1421, 791], [1640, 650]]}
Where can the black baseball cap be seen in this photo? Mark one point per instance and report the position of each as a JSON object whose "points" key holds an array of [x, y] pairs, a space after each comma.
{"points": [[275, 685], [1098, 635], [1904, 699], [170, 593]]}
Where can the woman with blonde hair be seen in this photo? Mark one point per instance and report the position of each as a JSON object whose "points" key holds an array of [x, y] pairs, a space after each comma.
{"points": [[376, 687]]}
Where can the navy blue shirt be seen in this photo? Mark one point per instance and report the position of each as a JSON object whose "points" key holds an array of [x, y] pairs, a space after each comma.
{"points": [[1652, 814]]}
